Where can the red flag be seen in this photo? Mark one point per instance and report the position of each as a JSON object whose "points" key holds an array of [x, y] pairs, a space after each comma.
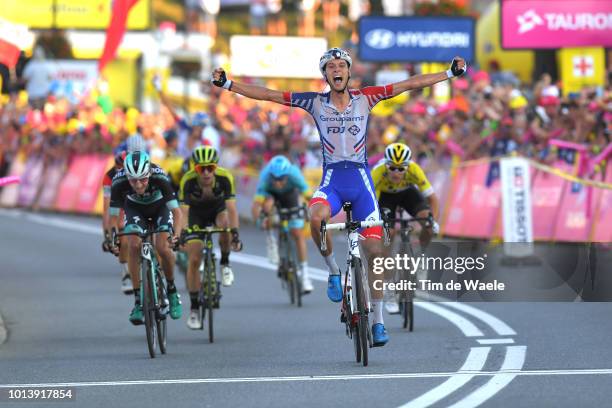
{"points": [[9, 53], [115, 30]]}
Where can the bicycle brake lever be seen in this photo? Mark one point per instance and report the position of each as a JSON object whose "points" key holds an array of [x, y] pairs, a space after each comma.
{"points": [[386, 234], [323, 237]]}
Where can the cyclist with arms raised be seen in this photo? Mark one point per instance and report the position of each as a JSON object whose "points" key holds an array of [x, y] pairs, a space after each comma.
{"points": [[144, 191], [208, 198], [341, 116], [282, 183]]}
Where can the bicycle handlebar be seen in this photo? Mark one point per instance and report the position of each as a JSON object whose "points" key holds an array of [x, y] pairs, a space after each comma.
{"points": [[352, 226], [203, 233], [405, 221], [339, 226]]}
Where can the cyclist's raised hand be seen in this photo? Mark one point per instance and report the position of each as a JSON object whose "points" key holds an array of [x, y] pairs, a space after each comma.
{"points": [[457, 68], [219, 78]]}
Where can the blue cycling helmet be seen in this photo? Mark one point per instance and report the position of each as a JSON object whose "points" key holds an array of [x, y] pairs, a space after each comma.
{"points": [[200, 119], [279, 166]]}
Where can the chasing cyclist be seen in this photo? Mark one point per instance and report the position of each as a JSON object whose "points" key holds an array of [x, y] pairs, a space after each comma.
{"points": [[282, 183], [207, 197], [107, 181], [400, 182], [341, 116], [144, 191]]}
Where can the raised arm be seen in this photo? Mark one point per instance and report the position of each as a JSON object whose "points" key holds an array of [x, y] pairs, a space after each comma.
{"points": [[261, 93], [163, 98], [457, 68]]}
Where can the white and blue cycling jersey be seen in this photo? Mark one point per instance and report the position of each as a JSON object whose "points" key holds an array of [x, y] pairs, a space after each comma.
{"points": [[343, 135]]}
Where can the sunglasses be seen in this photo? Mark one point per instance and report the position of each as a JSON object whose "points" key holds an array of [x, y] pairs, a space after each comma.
{"points": [[142, 180], [399, 169], [279, 179], [209, 168]]}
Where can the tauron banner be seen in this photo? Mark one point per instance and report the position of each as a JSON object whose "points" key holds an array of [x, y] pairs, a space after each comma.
{"points": [[428, 39], [556, 24]]}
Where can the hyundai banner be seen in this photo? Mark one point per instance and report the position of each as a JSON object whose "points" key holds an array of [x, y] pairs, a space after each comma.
{"points": [[556, 24], [416, 38]]}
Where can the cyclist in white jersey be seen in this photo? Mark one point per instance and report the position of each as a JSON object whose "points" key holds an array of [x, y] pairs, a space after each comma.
{"points": [[341, 116]]}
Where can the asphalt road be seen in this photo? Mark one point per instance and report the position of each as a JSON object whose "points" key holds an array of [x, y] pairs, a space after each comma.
{"points": [[67, 327]]}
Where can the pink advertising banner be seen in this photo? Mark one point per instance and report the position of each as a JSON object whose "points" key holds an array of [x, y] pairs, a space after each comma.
{"points": [[68, 192], [91, 183], [52, 178], [602, 231], [556, 23], [474, 208], [546, 192]]}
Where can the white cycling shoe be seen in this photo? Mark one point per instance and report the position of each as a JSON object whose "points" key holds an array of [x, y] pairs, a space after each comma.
{"points": [[392, 307], [307, 286], [126, 283], [227, 275], [194, 322], [272, 250]]}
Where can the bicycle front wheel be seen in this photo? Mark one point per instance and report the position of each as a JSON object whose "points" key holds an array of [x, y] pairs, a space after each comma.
{"points": [[148, 307], [160, 315], [211, 287], [362, 324]]}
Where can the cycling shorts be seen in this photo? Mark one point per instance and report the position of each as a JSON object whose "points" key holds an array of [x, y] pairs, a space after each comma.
{"points": [[409, 199], [289, 199], [349, 181], [136, 217]]}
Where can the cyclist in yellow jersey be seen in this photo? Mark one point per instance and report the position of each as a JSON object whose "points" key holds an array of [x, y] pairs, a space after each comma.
{"points": [[207, 196], [400, 182]]}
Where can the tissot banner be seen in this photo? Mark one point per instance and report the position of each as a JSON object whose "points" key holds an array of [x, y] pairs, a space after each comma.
{"points": [[416, 38], [556, 24]]}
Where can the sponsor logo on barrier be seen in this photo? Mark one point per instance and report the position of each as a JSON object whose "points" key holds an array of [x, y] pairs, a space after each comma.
{"points": [[516, 204]]}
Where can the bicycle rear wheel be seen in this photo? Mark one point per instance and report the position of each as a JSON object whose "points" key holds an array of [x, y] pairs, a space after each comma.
{"points": [[148, 307], [408, 306], [362, 308]]}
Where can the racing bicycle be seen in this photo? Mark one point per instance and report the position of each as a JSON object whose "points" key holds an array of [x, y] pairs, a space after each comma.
{"points": [[153, 292], [405, 298], [209, 295], [356, 303]]}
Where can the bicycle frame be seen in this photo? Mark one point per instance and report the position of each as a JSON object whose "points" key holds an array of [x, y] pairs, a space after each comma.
{"points": [[357, 324], [150, 272]]}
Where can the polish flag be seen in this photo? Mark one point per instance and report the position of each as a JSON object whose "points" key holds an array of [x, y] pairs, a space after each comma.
{"points": [[9, 53]]}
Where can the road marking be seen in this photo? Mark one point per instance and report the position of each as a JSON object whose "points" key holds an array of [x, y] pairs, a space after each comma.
{"points": [[496, 324], [467, 327], [474, 363], [495, 341], [515, 358], [391, 376]]}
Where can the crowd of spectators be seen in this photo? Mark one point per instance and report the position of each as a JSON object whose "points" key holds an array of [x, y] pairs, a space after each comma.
{"points": [[486, 115]]}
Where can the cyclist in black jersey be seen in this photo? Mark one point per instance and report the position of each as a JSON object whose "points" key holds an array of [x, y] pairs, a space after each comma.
{"points": [[144, 192]]}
